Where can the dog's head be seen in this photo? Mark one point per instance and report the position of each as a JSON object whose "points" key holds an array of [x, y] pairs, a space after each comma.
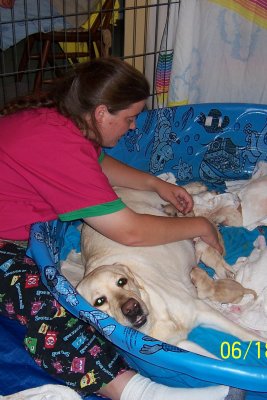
{"points": [[201, 281], [114, 290], [197, 275]]}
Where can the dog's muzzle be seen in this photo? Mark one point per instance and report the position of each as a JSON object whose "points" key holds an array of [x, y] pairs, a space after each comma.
{"points": [[132, 310]]}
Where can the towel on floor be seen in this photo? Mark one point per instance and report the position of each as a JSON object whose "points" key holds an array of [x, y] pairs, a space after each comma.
{"points": [[45, 392]]}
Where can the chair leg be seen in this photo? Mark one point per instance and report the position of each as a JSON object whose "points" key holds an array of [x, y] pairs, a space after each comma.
{"points": [[29, 42], [107, 42], [46, 45]]}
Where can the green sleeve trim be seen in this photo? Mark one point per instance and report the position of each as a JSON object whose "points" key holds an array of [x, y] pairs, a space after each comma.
{"points": [[101, 157], [94, 211]]}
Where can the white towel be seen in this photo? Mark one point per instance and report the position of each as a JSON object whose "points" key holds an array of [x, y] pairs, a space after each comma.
{"points": [[45, 392]]}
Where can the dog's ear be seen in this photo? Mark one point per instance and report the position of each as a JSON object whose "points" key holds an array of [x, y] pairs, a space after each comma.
{"points": [[221, 241], [81, 288]]}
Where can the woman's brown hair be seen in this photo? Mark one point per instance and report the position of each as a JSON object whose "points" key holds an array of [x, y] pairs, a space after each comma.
{"points": [[109, 81]]}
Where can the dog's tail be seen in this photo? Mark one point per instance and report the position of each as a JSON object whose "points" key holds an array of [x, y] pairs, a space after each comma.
{"points": [[251, 291]]}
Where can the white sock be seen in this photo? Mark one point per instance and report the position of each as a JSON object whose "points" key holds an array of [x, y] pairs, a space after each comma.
{"points": [[141, 388]]}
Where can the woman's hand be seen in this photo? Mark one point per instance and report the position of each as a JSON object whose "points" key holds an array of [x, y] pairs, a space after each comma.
{"points": [[176, 195], [211, 236], [120, 174]]}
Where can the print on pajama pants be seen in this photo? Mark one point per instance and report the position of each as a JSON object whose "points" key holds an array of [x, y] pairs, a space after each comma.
{"points": [[63, 345]]}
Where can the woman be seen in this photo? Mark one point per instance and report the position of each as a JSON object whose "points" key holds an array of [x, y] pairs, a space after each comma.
{"points": [[53, 167]]}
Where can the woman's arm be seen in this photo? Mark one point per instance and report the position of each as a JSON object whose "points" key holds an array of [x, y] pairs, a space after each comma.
{"points": [[133, 229], [120, 174]]}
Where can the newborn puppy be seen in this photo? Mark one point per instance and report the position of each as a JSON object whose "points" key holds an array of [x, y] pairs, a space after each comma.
{"points": [[220, 290]]}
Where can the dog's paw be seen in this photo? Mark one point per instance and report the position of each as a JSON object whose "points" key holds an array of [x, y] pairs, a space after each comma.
{"points": [[224, 271], [167, 177], [171, 211], [213, 259], [230, 274], [195, 188]]}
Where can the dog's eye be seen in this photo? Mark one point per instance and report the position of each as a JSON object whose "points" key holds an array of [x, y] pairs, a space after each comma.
{"points": [[121, 282], [100, 301]]}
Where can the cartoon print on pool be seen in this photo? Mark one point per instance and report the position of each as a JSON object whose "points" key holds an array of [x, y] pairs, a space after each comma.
{"points": [[60, 285]]}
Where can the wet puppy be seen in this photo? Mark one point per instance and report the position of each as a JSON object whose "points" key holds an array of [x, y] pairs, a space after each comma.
{"points": [[221, 290]]}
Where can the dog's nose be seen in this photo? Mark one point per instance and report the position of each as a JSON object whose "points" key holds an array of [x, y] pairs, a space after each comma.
{"points": [[130, 308]]}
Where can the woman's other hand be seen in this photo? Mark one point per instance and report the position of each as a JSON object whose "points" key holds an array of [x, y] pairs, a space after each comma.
{"points": [[176, 195], [211, 236]]}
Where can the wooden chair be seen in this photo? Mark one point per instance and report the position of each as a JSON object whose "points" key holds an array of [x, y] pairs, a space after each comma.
{"points": [[97, 39]]}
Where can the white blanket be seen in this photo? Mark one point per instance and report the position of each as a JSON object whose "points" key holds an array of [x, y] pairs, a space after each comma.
{"points": [[251, 272], [252, 194]]}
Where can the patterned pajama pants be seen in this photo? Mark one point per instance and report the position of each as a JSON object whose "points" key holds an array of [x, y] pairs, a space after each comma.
{"points": [[64, 346]]}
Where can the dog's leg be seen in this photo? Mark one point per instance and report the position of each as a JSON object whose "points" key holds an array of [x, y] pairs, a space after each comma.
{"points": [[171, 211], [194, 188], [212, 258], [227, 216], [207, 316], [195, 348], [168, 331]]}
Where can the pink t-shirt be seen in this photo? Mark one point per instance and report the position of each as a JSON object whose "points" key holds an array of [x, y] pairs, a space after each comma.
{"points": [[48, 170]]}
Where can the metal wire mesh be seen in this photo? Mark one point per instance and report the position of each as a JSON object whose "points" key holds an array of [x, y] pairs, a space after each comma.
{"points": [[41, 39]]}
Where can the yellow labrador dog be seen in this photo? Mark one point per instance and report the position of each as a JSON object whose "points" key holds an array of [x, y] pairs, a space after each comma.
{"points": [[149, 288]]}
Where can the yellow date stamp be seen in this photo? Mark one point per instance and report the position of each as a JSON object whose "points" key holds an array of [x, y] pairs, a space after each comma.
{"points": [[238, 350]]}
